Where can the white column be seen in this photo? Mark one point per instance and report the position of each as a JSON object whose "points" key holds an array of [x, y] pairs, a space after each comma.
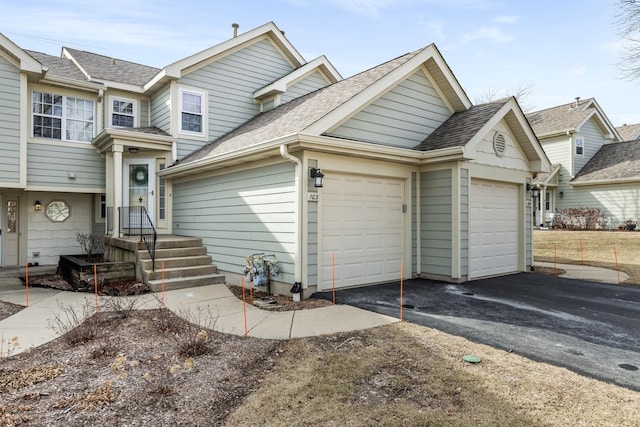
{"points": [[117, 187]]}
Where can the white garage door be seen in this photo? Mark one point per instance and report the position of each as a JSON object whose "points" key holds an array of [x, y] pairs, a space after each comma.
{"points": [[362, 226], [493, 228]]}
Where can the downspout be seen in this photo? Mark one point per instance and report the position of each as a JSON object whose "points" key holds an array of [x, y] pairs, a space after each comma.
{"points": [[418, 225], [298, 211]]}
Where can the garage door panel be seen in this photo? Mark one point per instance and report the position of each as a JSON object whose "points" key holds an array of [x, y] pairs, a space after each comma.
{"points": [[493, 228], [366, 237]]}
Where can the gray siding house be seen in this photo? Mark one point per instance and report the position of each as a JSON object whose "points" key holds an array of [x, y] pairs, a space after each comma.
{"points": [[223, 146], [592, 167]]}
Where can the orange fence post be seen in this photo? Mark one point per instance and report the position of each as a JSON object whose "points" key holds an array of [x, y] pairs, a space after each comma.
{"points": [[615, 254], [401, 286], [244, 310], [95, 285], [333, 279], [163, 285], [582, 251], [555, 256], [27, 283]]}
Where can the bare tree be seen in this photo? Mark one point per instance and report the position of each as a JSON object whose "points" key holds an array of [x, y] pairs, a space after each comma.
{"points": [[522, 92], [628, 24]]}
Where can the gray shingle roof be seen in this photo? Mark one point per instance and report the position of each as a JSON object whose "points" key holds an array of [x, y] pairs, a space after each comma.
{"points": [[559, 119], [117, 70], [298, 114], [59, 67], [629, 132], [619, 160], [461, 127]]}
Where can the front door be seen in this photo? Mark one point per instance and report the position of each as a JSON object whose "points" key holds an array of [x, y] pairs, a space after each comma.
{"points": [[10, 234], [138, 181]]}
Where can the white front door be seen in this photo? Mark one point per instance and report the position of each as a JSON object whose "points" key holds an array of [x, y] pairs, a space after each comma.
{"points": [[10, 231], [138, 182]]}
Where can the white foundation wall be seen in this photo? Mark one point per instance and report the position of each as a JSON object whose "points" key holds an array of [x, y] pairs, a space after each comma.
{"points": [[47, 240]]}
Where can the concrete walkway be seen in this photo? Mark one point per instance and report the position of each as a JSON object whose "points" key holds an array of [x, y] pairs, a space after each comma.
{"points": [[31, 325], [585, 272]]}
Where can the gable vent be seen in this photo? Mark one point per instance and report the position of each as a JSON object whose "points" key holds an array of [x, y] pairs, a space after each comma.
{"points": [[499, 144]]}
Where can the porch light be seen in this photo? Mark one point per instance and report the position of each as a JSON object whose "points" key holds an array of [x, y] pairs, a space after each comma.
{"points": [[317, 177], [534, 189], [133, 150], [37, 205]]}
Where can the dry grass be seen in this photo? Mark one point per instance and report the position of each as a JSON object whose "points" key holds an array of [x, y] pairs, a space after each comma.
{"points": [[404, 374], [595, 247]]}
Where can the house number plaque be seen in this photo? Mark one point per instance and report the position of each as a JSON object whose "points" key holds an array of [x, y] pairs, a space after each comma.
{"points": [[313, 197]]}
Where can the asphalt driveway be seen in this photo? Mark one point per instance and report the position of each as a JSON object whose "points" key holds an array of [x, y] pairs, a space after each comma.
{"points": [[588, 327]]}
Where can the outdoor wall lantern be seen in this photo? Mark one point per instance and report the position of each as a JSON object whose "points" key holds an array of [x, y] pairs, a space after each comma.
{"points": [[37, 205], [533, 189], [317, 177], [561, 194]]}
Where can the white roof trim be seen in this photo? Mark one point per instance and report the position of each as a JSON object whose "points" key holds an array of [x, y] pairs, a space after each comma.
{"points": [[377, 89], [280, 86], [269, 28], [512, 106], [27, 62]]}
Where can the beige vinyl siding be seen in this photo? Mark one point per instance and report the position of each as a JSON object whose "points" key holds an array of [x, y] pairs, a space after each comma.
{"points": [[619, 201], [403, 117], [48, 165], [53, 239], [528, 224], [558, 151], [312, 244], [240, 214], [464, 222], [144, 113], [309, 84], [160, 110], [414, 223], [593, 141], [9, 123], [436, 226], [231, 81], [511, 158]]}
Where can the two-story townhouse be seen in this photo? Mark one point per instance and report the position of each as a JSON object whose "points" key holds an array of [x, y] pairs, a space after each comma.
{"points": [[629, 132], [390, 173], [571, 135]]}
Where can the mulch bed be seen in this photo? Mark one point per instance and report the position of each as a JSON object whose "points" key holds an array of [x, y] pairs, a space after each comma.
{"points": [[112, 288]]}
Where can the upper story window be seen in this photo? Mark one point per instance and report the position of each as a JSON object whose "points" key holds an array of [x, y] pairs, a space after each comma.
{"points": [[192, 112], [123, 112], [579, 146], [66, 118]]}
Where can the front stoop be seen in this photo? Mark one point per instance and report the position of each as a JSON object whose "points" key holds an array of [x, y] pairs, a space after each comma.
{"points": [[186, 264]]}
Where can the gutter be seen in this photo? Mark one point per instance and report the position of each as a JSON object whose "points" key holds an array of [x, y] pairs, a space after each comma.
{"points": [[298, 173]]}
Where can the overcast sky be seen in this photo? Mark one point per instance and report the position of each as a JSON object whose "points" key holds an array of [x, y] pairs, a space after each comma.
{"points": [[561, 49]]}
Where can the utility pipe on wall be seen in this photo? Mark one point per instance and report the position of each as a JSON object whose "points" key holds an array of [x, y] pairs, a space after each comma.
{"points": [[297, 259]]}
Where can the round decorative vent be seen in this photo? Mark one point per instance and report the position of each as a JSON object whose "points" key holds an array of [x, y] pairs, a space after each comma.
{"points": [[499, 144]]}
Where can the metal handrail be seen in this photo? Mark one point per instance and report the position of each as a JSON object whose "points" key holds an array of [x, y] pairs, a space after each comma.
{"points": [[135, 221]]}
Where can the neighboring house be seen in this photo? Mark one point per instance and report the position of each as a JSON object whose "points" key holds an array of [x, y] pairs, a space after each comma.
{"points": [[629, 132], [573, 135], [221, 145]]}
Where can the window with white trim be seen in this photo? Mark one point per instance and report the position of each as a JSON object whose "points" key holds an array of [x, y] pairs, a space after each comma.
{"points": [[66, 118], [579, 146], [123, 112], [192, 112]]}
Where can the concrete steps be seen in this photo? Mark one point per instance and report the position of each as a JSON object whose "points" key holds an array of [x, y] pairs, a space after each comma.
{"points": [[186, 264]]}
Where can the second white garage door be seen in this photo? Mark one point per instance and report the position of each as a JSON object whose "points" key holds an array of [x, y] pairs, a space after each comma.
{"points": [[493, 228], [362, 226]]}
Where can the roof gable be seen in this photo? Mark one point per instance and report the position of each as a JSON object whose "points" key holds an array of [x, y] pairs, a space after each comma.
{"points": [[428, 57], [320, 64], [267, 31], [568, 118], [20, 57]]}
